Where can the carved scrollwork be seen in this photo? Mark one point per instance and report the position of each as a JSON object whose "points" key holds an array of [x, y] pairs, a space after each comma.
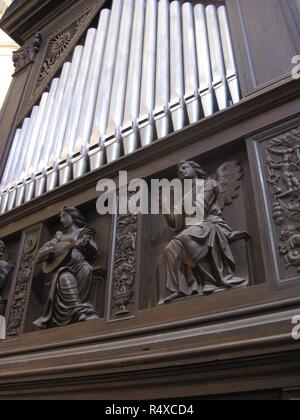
{"points": [[66, 34], [125, 263], [27, 53], [283, 170], [22, 286], [57, 47]]}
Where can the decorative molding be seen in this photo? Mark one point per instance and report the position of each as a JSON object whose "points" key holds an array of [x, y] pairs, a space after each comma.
{"points": [[57, 48], [124, 264], [60, 40], [283, 172], [22, 286], [26, 55]]}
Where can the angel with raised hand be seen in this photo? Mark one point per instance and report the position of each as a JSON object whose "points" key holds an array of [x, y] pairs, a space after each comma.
{"points": [[199, 259]]}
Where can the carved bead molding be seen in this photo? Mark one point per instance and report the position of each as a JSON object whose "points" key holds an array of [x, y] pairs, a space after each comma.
{"points": [[22, 283], [60, 40], [124, 271], [283, 176], [26, 55]]}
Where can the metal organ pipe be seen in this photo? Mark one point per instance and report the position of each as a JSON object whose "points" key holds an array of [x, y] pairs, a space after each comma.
{"points": [[204, 64], [39, 163], [67, 102], [21, 172], [34, 137], [231, 70], [190, 64], [13, 173], [48, 153], [76, 107], [32, 150], [85, 124], [130, 131], [65, 169], [113, 138], [64, 116], [150, 67], [146, 119], [216, 54], [177, 104], [10, 161], [97, 154], [161, 113]]}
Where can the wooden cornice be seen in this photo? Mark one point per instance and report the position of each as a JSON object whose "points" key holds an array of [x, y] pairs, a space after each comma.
{"points": [[20, 19]]}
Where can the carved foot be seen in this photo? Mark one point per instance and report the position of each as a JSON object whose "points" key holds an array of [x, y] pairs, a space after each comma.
{"points": [[83, 317], [171, 298], [92, 317], [236, 281], [209, 289], [238, 236]]}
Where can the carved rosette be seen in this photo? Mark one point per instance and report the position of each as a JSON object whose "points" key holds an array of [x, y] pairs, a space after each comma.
{"points": [[124, 264], [58, 45], [22, 286], [58, 48], [283, 172]]}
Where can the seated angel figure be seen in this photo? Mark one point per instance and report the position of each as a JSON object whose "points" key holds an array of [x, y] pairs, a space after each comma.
{"points": [[199, 259]]}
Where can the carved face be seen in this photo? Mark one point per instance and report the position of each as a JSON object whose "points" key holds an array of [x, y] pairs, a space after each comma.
{"points": [[186, 171], [66, 219]]}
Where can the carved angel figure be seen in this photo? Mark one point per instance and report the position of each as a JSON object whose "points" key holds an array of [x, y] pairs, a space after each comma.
{"points": [[199, 259]]}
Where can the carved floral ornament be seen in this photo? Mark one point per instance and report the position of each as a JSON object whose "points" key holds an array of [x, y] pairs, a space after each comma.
{"points": [[22, 286], [57, 48], [58, 45], [283, 170], [125, 262]]}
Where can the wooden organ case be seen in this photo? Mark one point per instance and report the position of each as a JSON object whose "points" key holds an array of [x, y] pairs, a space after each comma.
{"points": [[141, 85]]}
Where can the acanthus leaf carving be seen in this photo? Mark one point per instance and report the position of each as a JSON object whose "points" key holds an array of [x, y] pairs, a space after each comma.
{"points": [[125, 263], [22, 285]]}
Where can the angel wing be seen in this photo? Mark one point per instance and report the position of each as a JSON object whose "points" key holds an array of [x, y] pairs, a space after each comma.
{"points": [[228, 176]]}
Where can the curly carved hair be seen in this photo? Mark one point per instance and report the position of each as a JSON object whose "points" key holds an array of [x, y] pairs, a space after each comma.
{"points": [[199, 171], [76, 215]]}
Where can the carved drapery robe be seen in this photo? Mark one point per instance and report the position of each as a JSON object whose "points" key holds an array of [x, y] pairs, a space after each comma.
{"points": [[5, 269], [201, 254], [66, 303]]}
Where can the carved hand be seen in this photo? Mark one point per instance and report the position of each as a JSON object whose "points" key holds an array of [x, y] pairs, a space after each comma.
{"points": [[83, 241], [46, 253]]}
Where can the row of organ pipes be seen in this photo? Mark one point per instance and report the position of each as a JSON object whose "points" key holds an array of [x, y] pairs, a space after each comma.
{"points": [[150, 68]]}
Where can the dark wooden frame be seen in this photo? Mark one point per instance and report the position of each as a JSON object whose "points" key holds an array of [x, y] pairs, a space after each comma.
{"points": [[138, 357]]}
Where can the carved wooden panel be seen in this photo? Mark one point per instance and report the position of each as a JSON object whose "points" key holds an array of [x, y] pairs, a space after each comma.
{"points": [[24, 272], [256, 35], [156, 235], [279, 160], [59, 40], [124, 300]]}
